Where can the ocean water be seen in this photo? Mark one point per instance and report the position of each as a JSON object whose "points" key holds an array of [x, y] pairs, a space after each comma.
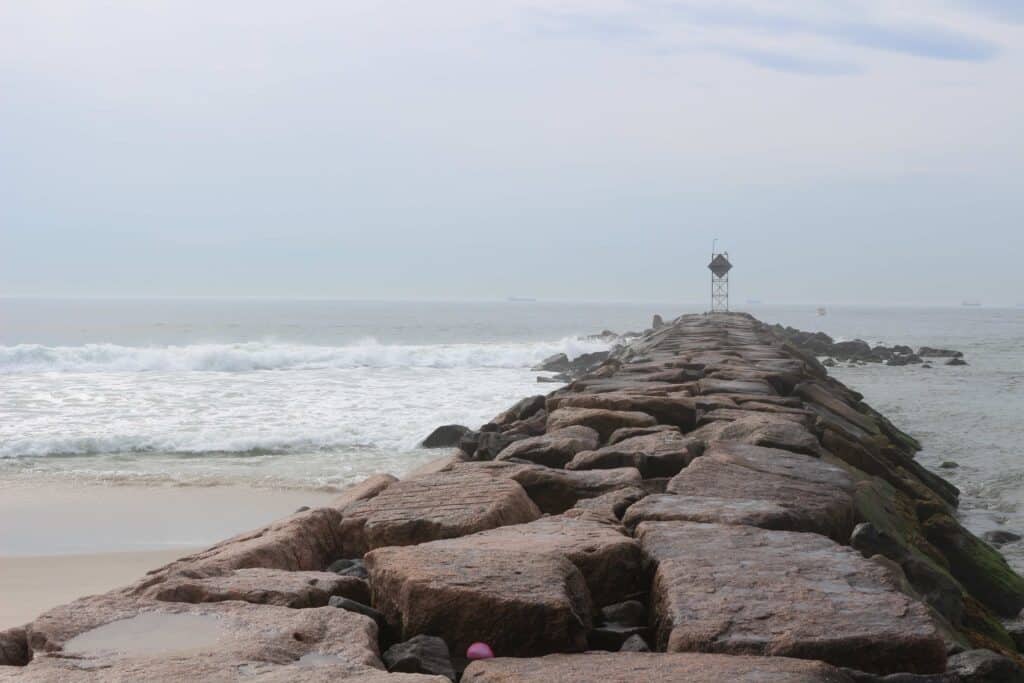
{"points": [[317, 394]]}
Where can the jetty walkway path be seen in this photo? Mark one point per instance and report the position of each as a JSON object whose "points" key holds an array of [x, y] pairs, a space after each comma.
{"points": [[707, 505]]}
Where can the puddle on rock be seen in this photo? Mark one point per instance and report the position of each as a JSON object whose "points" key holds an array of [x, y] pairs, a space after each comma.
{"points": [[149, 633]]}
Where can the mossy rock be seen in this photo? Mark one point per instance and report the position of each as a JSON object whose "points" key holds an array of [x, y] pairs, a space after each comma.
{"points": [[977, 565], [894, 513], [984, 631]]}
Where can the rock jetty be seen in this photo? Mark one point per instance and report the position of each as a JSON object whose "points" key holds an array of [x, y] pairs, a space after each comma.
{"points": [[859, 352], [706, 505]]}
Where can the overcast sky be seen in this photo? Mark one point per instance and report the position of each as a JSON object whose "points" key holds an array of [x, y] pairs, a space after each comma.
{"points": [[842, 151]]}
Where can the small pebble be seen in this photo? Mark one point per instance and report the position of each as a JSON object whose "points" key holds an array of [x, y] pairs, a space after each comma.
{"points": [[479, 651]]}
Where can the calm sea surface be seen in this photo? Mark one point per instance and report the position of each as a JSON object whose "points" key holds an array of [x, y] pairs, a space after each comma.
{"points": [[311, 394]]}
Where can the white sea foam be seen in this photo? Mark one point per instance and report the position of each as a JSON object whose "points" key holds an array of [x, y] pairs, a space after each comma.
{"points": [[313, 424], [253, 356]]}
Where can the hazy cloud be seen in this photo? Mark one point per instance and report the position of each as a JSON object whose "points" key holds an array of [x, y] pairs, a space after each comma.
{"points": [[790, 63], [1007, 10], [586, 149], [919, 41]]}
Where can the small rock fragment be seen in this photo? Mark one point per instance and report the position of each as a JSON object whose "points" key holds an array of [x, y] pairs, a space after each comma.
{"points": [[353, 606], [1000, 537], [635, 643], [420, 655], [445, 436]]}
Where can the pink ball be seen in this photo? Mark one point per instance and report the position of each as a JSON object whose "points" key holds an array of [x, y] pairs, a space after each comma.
{"points": [[479, 651]]}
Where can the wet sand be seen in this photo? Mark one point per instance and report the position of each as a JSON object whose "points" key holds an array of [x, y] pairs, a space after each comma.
{"points": [[31, 585], [59, 542]]}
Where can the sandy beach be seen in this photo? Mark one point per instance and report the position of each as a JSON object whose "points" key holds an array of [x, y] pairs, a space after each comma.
{"points": [[63, 541]]}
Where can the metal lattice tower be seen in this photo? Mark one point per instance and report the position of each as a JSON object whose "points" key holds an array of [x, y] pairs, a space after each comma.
{"points": [[719, 268]]}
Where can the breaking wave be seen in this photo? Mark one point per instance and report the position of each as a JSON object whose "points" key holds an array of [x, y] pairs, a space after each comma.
{"points": [[253, 356]]}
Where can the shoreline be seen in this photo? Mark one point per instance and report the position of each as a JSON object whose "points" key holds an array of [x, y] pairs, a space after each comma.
{"points": [[63, 541]]}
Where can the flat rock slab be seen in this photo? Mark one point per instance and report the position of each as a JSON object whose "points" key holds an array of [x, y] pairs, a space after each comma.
{"points": [[731, 414], [263, 587], [434, 506], [735, 386], [661, 454], [761, 429], [609, 560], [631, 667], [679, 411], [735, 483], [305, 541], [555, 491], [367, 488], [520, 603], [604, 422], [743, 590], [553, 449], [114, 638]]}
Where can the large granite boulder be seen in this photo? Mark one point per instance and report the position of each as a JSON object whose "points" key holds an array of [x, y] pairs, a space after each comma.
{"points": [[797, 595], [608, 507], [363, 490], [305, 541], [520, 603], [761, 429], [661, 454], [609, 560], [604, 422], [14, 649], [442, 505], [731, 414], [262, 587], [679, 411], [553, 449], [445, 436], [522, 409], [978, 566], [629, 432], [735, 483], [555, 491], [111, 637], [735, 386], [815, 392], [631, 667]]}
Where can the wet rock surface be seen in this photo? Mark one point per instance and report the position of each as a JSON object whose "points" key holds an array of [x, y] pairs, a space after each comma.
{"points": [[629, 667], [734, 483], [445, 436], [704, 489], [518, 602], [434, 506], [262, 587], [797, 595], [553, 449], [604, 422], [117, 638], [661, 454]]}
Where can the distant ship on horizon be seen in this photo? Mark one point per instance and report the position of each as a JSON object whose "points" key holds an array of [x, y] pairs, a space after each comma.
{"points": [[970, 302], [521, 299]]}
